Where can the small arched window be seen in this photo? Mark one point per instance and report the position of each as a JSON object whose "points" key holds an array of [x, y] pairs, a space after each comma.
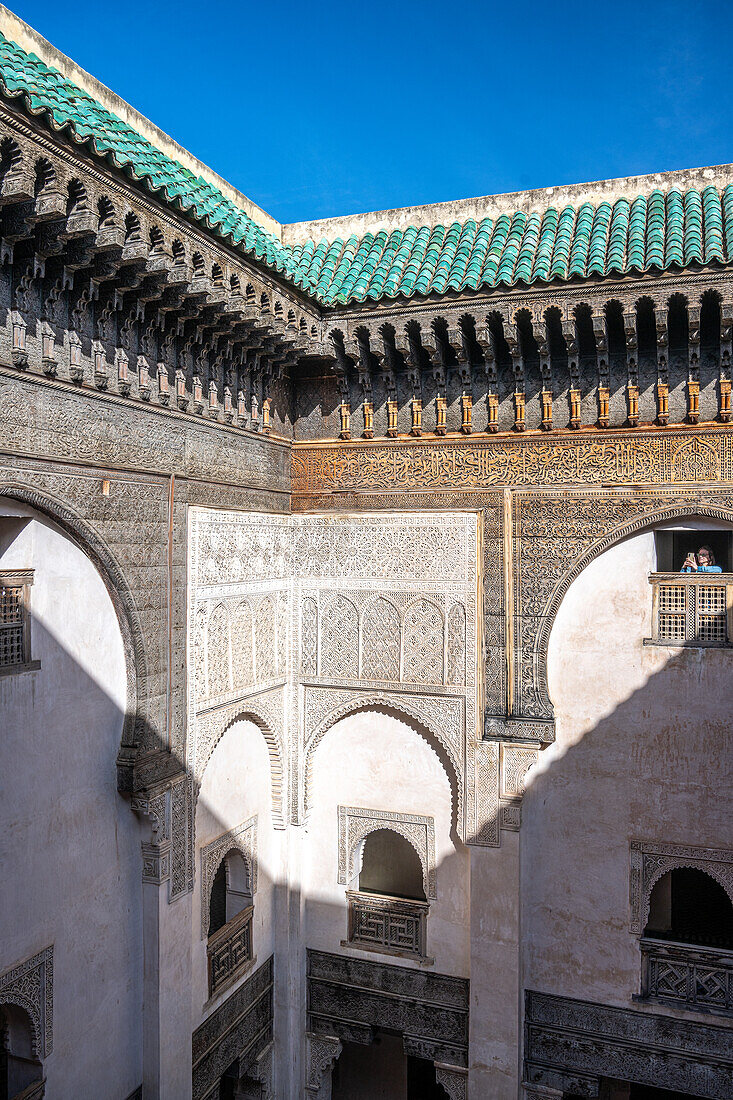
{"points": [[391, 866], [19, 1067], [689, 906], [231, 891], [229, 947], [387, 908]]}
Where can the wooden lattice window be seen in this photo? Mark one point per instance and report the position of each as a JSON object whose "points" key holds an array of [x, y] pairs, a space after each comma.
{"points": [[15, 620], [692, 609]]}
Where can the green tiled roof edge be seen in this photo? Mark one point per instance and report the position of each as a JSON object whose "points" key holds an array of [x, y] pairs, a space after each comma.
{"points": [[658, 231]]}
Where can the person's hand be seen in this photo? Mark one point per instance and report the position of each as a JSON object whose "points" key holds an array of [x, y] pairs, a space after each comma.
{"points": [[690, 562]]}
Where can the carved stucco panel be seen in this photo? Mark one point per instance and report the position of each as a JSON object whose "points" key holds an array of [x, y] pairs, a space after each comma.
{"points": [[29, 985], [649, 861], [243, 838], [356, 823]]}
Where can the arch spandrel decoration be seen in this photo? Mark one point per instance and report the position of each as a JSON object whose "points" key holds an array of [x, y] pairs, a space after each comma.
{"points": [[356, 823], [266, 712], [649, 861], [442, 718], [242, 839], [29, 986], [546, 527]]}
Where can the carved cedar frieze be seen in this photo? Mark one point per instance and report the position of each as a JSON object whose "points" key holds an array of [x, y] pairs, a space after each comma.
{"points": [[572, 1044], [622, 458]]}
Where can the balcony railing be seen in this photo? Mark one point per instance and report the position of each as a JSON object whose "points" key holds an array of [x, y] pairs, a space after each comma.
{"points": [[692, 609], [230, 951], [700, 978], [392, 925]]}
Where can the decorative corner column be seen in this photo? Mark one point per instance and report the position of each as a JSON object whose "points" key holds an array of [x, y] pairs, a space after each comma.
{"points": [[322, 1052]]}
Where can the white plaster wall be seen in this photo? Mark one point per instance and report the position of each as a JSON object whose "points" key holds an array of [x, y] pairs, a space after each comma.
{"points": [[69, 844], [235, 787], [643, 751], [376, 761]]}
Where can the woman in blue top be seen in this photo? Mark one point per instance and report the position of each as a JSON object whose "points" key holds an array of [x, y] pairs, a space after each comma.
{"points": [[702, 562]]}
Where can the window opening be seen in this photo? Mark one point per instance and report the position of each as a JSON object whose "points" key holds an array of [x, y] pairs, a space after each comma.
{"points": [[15, 636], [387, 911], [689, 906], [229, 947], [19, 1068]]}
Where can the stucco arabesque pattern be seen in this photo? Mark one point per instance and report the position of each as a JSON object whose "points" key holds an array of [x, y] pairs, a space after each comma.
{"points": [[356, 823], [320, 582], [415, 570], [237, 638], [243, 839], [649, 861], [555, 536], [29, 985]]}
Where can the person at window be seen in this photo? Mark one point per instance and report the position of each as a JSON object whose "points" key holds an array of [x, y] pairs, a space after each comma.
{"points": [[702, 562]]}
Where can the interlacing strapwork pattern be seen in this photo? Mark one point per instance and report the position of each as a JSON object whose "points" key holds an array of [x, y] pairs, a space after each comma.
{"points": [[340, 639], [242, 645], [424, 643], [380, 642], [389, 924], [218, 651], [266, 667], [456, 646], [699, 978], [309, 637], [11, 625]]}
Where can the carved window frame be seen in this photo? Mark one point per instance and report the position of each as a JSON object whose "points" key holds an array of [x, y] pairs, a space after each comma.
{"points": [[649, 861], [242, 839], [29, 986], [355, 823], [20, 579]]}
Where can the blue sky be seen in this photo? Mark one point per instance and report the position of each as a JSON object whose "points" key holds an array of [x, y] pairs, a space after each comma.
{"points": [[314, 110]]}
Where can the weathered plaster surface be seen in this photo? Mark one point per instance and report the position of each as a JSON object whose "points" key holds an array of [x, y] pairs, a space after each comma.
{"points": [[70, 846], [642, 752]]}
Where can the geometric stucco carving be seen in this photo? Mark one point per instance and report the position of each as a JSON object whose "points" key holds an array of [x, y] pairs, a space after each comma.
{"points": [[321, 1053], [453, 1080], [242, 839], [356, 823], [364, 611], [649, 861], [29, 985]]}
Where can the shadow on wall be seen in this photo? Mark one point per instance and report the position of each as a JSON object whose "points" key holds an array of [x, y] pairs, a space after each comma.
{"points": [[654, 766]]}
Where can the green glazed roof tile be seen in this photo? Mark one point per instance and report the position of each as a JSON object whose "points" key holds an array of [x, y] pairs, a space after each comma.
{"points": [[655, 231]]}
